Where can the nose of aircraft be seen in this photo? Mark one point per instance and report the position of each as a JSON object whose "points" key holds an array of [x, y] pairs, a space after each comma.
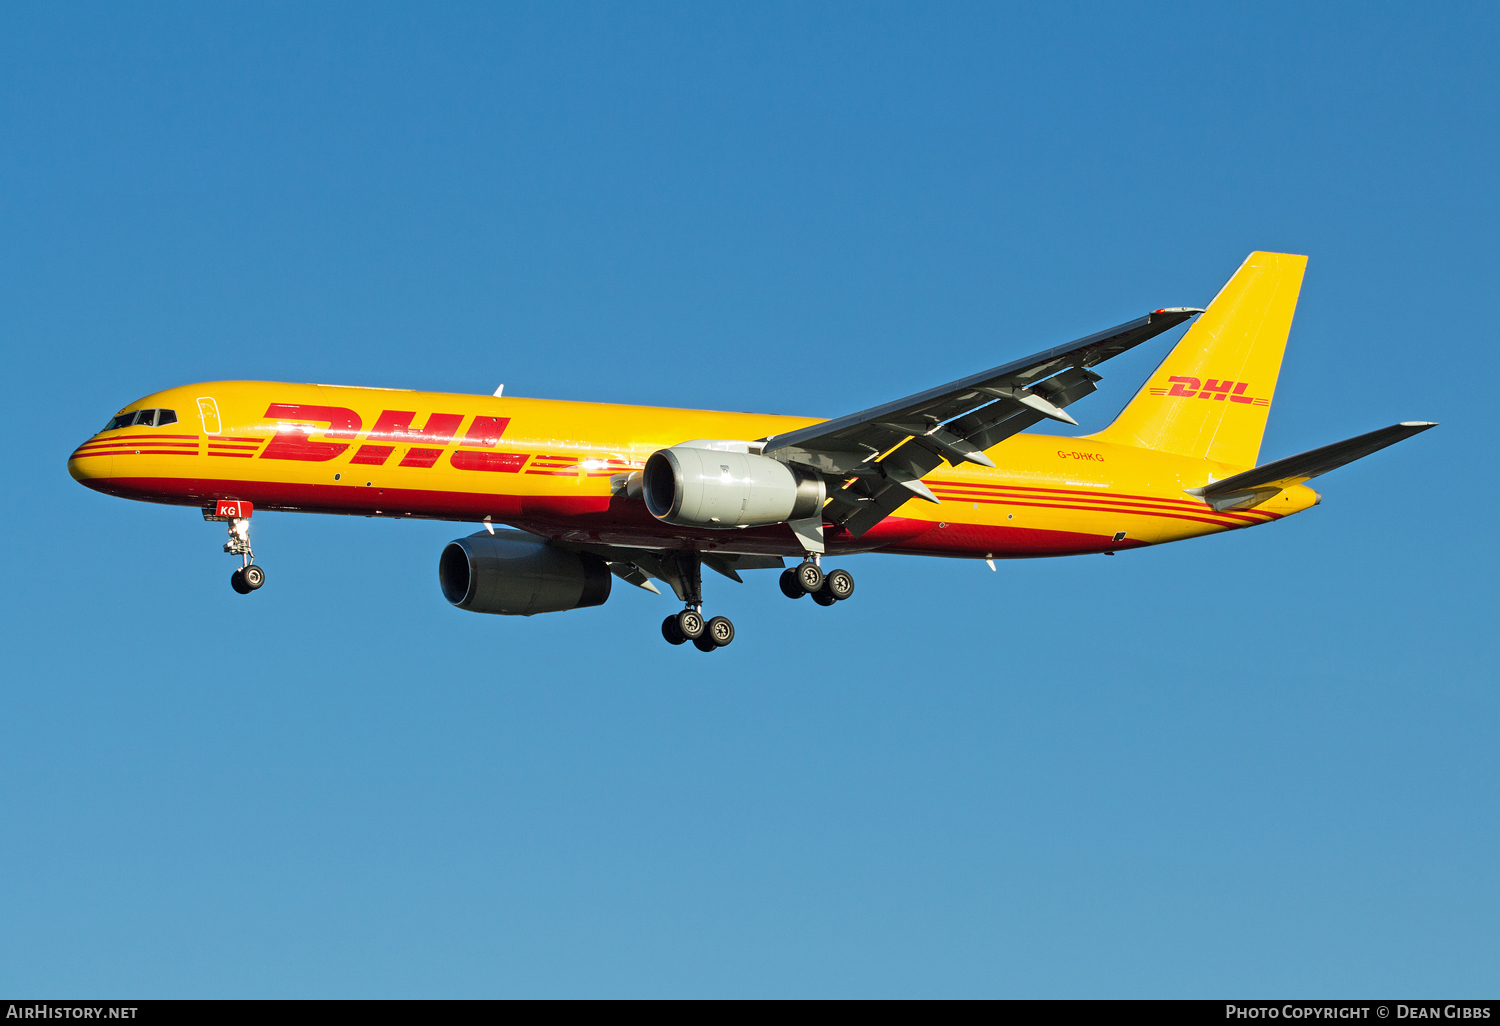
{"points": [[93, 472], [129, 433], [93, 461]]}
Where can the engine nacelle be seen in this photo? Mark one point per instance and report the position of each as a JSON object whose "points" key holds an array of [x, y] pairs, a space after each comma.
{"points": [[518, 574], [692, 486]]}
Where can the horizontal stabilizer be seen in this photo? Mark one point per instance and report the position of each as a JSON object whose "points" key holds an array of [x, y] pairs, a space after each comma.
{"points": [[1255, 486]]}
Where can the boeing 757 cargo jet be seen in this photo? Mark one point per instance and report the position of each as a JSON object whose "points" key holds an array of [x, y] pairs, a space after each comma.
{"points": [[573, 495]]}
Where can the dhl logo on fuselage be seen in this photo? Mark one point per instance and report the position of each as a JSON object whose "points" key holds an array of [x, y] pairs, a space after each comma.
{"points": [[393, 429], [424, 446], [1185, 387]]}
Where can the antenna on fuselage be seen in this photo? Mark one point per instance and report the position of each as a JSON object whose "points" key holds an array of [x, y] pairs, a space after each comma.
{"points": [[499, 390]]}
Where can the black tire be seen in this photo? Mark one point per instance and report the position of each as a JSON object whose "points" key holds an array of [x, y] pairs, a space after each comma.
{"points": [[789, 586], [690, 623], [719, 630], [253, 576], [670, 632], [237, 582], [705, 644], [839, 583], [809, 577], [823, 597]]}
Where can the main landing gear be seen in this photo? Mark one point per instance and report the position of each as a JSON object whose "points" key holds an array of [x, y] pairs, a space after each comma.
{"points": [[808, 578], [684, 572], [689, 625], [248, 577]]}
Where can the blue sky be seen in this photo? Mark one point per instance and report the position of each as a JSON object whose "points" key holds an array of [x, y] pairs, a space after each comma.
{"points": [[1258, 764]]}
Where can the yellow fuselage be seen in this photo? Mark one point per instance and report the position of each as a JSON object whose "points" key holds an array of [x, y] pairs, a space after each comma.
{"points": [[555, 468]]}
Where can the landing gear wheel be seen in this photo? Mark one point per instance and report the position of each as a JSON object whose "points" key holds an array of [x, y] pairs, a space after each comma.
{"points": [[823, 598], [719, 630], [690, 623], [705, 644], [670, 632], [790, 586], [249, 576], [809, 576], [839, 584]]}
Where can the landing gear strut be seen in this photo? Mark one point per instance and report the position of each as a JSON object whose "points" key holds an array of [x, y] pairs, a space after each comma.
{"points": [[689, 625], [248, 577]]}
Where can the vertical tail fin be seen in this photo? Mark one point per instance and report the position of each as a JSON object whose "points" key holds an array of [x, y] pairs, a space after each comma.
{"points": [[1211, 395]]}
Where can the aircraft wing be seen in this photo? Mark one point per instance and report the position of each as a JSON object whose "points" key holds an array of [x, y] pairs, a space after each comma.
{"points": [[885, 451]]}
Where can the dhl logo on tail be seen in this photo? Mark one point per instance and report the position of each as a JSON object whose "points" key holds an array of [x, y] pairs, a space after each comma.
{"points": [[1185, 387]]}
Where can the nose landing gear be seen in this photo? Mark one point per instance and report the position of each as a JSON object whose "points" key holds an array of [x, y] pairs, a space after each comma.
{"points": [[248, 577]]}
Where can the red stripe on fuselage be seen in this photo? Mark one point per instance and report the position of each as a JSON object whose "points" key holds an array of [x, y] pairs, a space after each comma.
{"points": [[1071, 492], [1136, 512], [134, 452], [1001, 494], [1234, 519], [120, 438], [138, 442]]}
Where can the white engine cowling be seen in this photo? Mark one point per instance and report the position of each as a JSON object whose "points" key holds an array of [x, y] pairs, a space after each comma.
{"points": [[518, 574], [692, 486]]}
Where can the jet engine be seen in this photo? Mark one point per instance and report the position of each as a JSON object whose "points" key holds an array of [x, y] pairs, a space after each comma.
{"points": [[519, 574], [704, 485]]}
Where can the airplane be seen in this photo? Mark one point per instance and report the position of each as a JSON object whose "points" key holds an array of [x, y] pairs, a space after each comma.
{"points": [[572, 495]]}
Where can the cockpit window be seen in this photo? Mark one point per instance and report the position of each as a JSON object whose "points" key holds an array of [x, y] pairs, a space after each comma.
{"points": [[143, 418]]}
